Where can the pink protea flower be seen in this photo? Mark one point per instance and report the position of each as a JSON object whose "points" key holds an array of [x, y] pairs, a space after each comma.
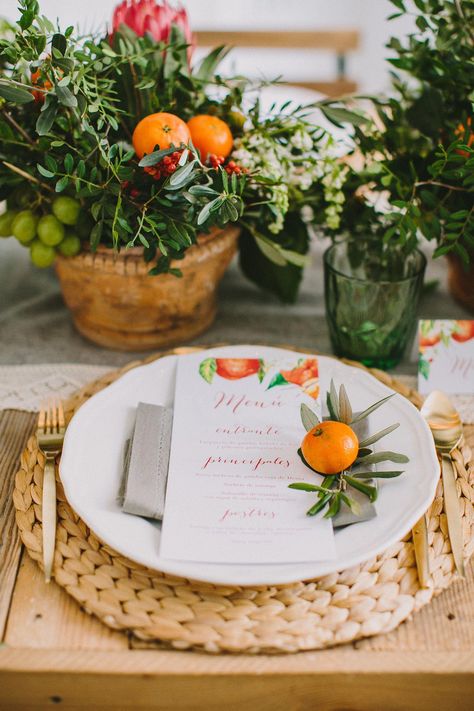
{"points": [[150, 17]]}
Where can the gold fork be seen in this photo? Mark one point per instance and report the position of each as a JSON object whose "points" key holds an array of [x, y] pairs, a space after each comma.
{"points": [[50, 435]]}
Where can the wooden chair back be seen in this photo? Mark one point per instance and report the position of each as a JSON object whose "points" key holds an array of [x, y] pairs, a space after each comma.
{"points": [[338, 41]]}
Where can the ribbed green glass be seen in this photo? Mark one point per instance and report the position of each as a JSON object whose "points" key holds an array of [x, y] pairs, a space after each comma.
{"points": [[371, 312]]}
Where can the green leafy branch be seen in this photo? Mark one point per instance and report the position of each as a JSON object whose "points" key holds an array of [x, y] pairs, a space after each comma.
{"points": [[335, 489]]}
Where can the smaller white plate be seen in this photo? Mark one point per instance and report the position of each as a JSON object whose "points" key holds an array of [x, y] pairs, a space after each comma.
{"points": [[91, 471]]}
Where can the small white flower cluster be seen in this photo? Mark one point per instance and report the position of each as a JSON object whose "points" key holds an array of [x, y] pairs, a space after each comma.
{"points": [[297, 162], [333, 178]]}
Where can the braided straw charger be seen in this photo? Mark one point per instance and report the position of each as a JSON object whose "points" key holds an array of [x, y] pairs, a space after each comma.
{"points": [[366, 600]]}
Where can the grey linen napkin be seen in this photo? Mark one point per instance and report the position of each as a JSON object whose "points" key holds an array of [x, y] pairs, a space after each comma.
{"points": [[145, 468], [145, 463]]}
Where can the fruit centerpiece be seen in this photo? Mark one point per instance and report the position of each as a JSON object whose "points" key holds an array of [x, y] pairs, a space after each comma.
{"points": [[130, 165]]}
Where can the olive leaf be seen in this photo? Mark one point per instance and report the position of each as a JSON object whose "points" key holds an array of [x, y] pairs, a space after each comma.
{"points": [[319, 505], [352, 504], [308, 417], [372, 408], [377, 475], [377, 457], [334, 506], [370, 491], [378, 435], [333, 401], [303, 486], [345, 409]]}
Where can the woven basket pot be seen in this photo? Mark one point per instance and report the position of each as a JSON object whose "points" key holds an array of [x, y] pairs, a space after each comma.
{"points": [[115, 303], [461, 281]]}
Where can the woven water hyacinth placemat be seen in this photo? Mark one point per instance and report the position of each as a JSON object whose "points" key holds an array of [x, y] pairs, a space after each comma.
{"points": [[165, 611]]}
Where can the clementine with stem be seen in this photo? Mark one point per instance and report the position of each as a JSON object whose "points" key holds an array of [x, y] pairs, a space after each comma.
{"points": [[159, 130], [211, 136], [330, 447]]}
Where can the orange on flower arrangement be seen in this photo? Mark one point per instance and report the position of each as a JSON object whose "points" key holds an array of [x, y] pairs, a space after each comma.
{"points": [[211, 136], [159, 130]]}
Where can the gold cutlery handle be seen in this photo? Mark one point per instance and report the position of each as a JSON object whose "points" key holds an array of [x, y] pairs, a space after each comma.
{"points": [[420, 543], [49, 515], [453, 514]]}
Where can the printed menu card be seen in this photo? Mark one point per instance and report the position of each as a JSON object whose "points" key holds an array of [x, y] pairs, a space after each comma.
{"points": [[236, 432], [446, 356]]}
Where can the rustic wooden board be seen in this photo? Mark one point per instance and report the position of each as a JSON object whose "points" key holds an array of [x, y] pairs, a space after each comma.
{"points": [[55, 654]]}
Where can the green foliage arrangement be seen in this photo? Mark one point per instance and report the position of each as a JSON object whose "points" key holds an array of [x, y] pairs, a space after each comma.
{"points": [[414, 175], [68, 108]]}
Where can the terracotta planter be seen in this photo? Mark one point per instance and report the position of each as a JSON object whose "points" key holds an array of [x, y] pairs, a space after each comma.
{"points": [[116, 304], [461, 281]]}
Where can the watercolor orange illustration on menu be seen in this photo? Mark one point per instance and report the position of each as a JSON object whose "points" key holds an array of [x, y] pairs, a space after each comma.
{"points": [[433, 333], [304, 374]]}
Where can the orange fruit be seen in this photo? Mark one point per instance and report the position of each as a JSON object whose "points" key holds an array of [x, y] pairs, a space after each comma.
{"points": [[330, 447], [160, 130], [210, 135], [37, 81]]}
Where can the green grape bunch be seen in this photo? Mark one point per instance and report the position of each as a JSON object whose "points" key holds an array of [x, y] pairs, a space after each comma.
{"points": [[45, 234]]}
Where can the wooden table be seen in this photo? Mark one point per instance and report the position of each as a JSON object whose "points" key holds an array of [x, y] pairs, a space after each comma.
{"points": [[54, 654]]}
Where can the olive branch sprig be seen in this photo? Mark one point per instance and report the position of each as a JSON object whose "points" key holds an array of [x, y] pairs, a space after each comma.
{"points": [[335, 489]]}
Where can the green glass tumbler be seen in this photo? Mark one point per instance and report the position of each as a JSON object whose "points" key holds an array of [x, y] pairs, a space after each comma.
{"points": [[371, 311]]}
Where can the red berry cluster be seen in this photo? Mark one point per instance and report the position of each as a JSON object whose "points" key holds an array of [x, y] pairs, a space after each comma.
{"points": [[134, 192], [165, 167], [230, 168], [215, 161]]}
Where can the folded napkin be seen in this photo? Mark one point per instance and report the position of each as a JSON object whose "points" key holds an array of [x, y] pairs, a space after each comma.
{"points": [[146, 460]]}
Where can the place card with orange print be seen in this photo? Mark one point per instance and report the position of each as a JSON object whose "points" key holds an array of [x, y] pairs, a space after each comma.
{"points": [[446, 356], [236, 431]]}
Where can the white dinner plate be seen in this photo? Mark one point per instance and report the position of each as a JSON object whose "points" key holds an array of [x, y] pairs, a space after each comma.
{"points": [[91, 470]]}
